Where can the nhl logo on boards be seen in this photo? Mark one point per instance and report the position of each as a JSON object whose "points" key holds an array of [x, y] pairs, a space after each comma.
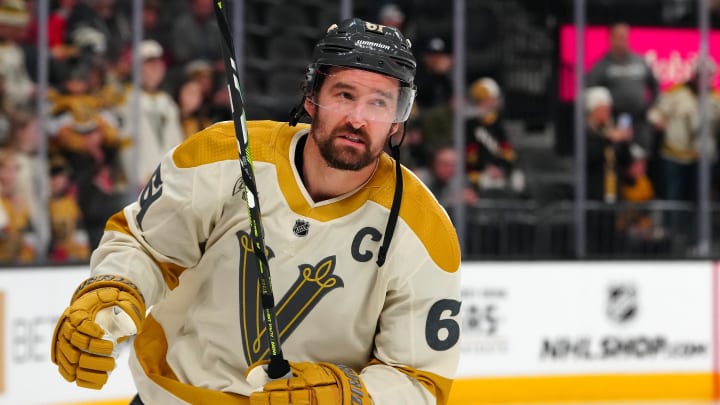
{"points": [[622, 305], [301, 228]]}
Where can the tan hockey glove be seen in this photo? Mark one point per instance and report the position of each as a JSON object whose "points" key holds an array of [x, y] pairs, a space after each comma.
{"points": [[102, 310], [315, 384]]}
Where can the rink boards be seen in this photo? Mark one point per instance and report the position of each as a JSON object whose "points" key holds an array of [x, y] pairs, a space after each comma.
{"points": [[581, 331], [532, 331]]}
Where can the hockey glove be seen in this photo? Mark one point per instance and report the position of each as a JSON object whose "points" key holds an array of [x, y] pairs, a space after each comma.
{"points": [[102, 310], [315, 384]]}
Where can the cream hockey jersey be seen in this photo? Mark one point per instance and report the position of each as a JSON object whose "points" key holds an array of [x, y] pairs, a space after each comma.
{"points": [[185, 244]]}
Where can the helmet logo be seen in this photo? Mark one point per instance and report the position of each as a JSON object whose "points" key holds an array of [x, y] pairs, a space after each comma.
{"points": [[361, 43]]}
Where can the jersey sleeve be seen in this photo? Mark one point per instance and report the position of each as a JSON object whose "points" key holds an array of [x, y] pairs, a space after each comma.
{"points": [[417, 346], [163, 233]]}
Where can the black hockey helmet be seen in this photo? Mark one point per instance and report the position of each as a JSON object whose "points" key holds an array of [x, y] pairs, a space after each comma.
{"points": [[363, 45], [359, 44]]}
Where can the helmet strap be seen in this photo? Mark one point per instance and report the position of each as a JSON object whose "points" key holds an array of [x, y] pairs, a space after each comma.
{"points": [[308, 87], [297, 113], [397, 199]]}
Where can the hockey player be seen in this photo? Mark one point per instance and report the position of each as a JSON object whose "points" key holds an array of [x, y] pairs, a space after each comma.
{"points": [[356, 328]]}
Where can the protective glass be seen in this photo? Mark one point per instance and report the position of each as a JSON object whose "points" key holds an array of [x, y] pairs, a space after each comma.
{"points": [[353, 97]]}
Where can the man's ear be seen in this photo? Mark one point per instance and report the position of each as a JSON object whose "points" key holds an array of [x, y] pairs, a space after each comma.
{"points": [[310, 106], [394, 128], [394, 133]]}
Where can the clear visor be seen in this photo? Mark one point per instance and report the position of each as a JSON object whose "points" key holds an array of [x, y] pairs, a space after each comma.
{"points": [[345, 95]]}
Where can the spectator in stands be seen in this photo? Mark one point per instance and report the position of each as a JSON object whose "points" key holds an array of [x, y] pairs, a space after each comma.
{"points": [[15, 237], [73, 107], [641, 228], [631, 82], [200, 100], [443, 170], [159, 122], [434, 101], [215, 104], [605, 142], [110, 30], [434, 74], [18, 86], [195, 35], [91, 144], [490, 157], [192, 117], [68, 240], [677, 116]]}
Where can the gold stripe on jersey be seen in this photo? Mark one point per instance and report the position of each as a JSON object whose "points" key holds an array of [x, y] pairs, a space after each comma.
{"points": [[217, 143], [170, 271], [437, 385], [151, 350], [270, 142], [118, 223]]}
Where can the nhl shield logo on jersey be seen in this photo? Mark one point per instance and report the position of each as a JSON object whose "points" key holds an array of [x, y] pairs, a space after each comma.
{"points": [[301, 228]]}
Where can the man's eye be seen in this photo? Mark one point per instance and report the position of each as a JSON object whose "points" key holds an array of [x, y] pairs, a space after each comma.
{"points": [[346, 96], [379, 103]]}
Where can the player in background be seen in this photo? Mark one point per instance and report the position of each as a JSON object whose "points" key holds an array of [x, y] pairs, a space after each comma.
{"points": [[357, 328]]}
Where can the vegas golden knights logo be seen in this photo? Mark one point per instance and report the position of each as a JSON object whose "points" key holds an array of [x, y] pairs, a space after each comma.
{"points": [[312, 284]]}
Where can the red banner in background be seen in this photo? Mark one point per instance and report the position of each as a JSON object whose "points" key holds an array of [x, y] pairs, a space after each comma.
{"points": [[669, 51]]}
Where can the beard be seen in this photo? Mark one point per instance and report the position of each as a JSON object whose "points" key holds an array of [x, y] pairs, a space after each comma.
{"points": [[344, 157]]}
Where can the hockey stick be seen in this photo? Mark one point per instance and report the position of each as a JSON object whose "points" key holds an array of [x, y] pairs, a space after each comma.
{"points": [[278, 366]]}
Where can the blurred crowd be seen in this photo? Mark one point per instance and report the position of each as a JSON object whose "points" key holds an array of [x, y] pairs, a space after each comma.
{"points": [[98, 155], [642, 143]]}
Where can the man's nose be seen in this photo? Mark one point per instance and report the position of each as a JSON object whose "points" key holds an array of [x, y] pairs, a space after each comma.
{"points": [[357, 116]]}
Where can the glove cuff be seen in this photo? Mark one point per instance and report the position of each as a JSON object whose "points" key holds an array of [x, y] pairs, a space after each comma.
{"points": [[136, 310], [353, 388], [108, 280]]}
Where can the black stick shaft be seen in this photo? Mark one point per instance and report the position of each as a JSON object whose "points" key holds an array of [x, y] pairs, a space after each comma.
{"points": [[278, 366]]}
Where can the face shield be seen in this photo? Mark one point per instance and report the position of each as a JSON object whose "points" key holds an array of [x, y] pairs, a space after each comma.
{"points": [[346, 95]]}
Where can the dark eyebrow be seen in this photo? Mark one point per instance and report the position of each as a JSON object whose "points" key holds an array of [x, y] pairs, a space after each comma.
{"points": [[346, 86]]}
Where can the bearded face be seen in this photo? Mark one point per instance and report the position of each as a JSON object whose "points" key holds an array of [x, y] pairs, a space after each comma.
{"points": [[345, 147], [343, 112]]}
